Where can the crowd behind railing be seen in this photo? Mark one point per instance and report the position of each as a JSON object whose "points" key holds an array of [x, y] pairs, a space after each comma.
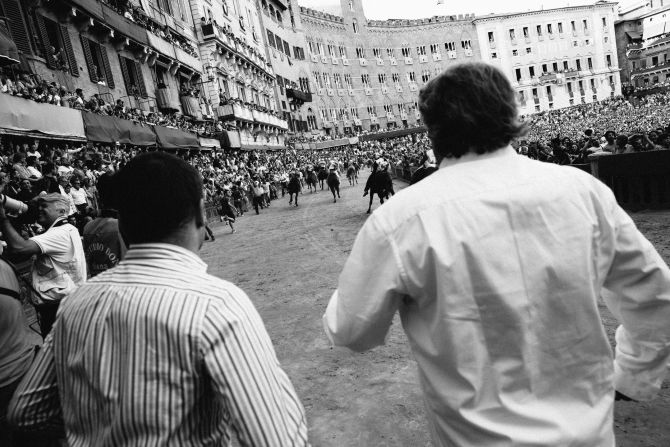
{"points": [[567, 136], [35, 88]]}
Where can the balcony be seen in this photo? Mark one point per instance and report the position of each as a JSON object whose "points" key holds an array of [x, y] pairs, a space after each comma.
{"points": [[413, 87], [368, 91], [571, 74], [403, 116], [374, 120], [357, 122], [298, 95], [334, 60], [269, 119], [341, 92], [380, 61], [324, 59], [423, 59], [385, 90], [351, 91], [330, 91], [468, 52], [390, 117], [166, 100], [662, 67], [363, 62], [314, 58], [536, 100], [398, 88], [191, 107], [551, 36], [548, 77], [393, 61], [236, 111], [417, 115], [409, 61], [437, 57], [345, 61], [451, 55], [320, 91]]}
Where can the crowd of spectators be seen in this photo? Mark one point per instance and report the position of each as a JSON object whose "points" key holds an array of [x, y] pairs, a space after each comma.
{"points": [[34, 88]]}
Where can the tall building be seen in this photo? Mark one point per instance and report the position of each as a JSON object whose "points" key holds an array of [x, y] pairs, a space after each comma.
{"points": [[557, 57], [240, 79], [366, 74], [643, 43], [285, 49]]}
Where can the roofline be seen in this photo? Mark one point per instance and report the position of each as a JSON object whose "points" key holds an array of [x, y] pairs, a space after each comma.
{"points": [[542, 11]]}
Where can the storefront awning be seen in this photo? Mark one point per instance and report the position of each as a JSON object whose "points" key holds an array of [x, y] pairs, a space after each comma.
{"points": [[110, 129], [20, 116], [391, 134], [9, 54], [169, 138], [209, 143]]}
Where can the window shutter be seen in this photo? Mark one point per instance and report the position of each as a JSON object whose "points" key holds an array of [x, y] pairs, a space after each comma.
{"points": [[67, 44], [140, 80], [124, 72], [106, 66], [46, 43], [16, 24], [89, 59]]}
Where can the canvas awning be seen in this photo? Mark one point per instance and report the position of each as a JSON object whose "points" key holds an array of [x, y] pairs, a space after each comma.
{"points": [[20, 116], [209, 143], [634, 35], [391, 134], [169, 138], [332, 143], [111, 129]]}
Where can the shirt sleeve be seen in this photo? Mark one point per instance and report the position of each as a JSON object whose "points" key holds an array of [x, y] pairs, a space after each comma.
{"points": [[369, 292], [55, 240], [239, 357], [36, 403], [637, 291]]}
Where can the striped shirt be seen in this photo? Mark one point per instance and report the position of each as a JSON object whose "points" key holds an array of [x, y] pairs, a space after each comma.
{"points": [[158, 352]]}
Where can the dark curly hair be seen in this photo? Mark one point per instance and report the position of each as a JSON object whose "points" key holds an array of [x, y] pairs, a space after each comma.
{"points": [[470, 108]]}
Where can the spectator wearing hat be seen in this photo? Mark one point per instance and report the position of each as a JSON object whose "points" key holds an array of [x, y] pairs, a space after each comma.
{"points": [[60, 266]]}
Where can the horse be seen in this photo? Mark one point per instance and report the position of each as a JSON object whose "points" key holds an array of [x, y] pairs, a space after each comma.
{"points": [[352, 175], [322, 175], [311, 180]]}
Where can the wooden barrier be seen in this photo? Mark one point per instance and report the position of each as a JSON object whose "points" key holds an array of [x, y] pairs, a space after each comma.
{"points": [[639, 180]]}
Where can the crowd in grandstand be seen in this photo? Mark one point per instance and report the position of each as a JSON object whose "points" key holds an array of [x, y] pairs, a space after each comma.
{"points": [[37, 89]]}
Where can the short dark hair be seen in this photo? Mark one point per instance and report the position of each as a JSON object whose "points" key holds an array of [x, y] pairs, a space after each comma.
{"points": [[107, 191], [158, 194], [470, 108]]}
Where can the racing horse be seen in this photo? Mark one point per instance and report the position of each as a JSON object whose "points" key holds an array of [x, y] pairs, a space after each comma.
{"points": [[322, 175], [352, 175], [311, 180]]}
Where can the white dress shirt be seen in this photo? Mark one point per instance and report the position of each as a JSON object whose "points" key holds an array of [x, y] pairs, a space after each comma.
{"points": [[496, 264]]}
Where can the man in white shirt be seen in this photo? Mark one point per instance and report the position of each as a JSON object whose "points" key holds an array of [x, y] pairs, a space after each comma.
{"points": [[496, 263], [60, 264]]}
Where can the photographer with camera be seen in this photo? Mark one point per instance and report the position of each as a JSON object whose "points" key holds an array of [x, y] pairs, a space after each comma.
{"points": [[59, 266]]}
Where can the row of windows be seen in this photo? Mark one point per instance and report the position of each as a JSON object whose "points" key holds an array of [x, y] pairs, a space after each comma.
{"points": [[539, 29], [554, 67], [349, 113], [337, 80], [361, 53]]}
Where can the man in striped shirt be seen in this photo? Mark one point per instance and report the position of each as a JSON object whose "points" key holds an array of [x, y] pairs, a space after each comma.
{"points": [[155, 351]]}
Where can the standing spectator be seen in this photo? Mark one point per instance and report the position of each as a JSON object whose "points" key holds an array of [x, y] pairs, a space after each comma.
{"points": [[499, 302], [60, 266], [103, 244], [198, 364]]}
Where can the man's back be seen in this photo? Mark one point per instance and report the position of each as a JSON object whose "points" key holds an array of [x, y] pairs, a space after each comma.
{"points": [[157, 352], [496, 264]]}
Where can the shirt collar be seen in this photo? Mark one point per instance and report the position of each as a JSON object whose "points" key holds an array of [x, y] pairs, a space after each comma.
{"points": [[161, 252], [506, 151]]}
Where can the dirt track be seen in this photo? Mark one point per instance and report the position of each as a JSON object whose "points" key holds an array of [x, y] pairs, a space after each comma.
{"points": [[288, 261]]}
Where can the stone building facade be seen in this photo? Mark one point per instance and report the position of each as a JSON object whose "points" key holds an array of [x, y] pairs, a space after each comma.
{"points": [[643, 43], [557, 57], [366, 74]]}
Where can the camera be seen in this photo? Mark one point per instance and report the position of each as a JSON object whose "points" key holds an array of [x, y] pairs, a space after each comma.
{"points": [[12, 205]]}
